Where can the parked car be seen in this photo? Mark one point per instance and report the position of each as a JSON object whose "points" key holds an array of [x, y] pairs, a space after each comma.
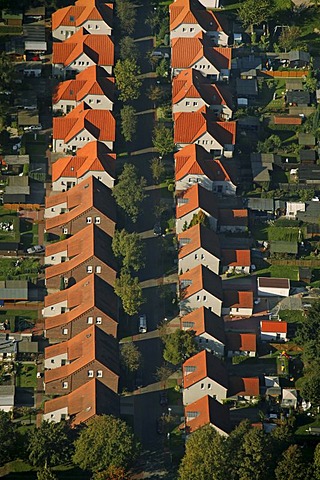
{"points": [[142, 323], [157, 229], [36, 249]]}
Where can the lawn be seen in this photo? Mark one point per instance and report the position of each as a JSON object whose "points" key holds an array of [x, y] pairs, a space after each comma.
{"points": [[304, 422], [26, 375], [285, 234], [309, 21], [9, 217], [27, 268], [280, 271], [282, 365], [292, 316], [28, 233], [19, 319]]}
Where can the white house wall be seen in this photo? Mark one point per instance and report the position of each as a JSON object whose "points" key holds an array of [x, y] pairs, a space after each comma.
{"points": [[207, 386], [198, 300], [199, 257]]}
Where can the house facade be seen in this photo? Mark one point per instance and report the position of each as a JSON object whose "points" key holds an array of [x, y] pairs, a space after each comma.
{"points": [[198, 246], [272, 331]]}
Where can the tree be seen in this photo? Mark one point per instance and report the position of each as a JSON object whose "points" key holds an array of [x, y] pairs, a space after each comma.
{"points": [[7, 71], [254, 12], [129, 191], [130, 248], [126, 12], [311, 84], [256, 457], [156, 94], [109, 441], [316, 462], [163, 372], [130, 357], [291, 465], [46, 474], [310, 388], [130, 292], [126, 73], [289, 37], [179, 346], [308, 334], [7, 438], [162, 68], [163, 139], [113, 473], [128, 122], [206, 454], [157, 169], [199, 218], [270, 144], [128, 48], [50, 444]]}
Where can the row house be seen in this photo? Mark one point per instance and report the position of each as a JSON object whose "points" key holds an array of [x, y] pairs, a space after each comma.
{"points": [[194, 164], [208, 328], [236, 260], [88, 251], [198, 53], [81, 51], [198, 246], [195, 201], [95, 16], [237, 303], [241, 344], [90, 201], [94, 159], [82, 404], [91, 86], [217, 138], [191, 90], [207, 411], [189, 17], [82, 125], [200, 287], [98, 358], [273, 331], [234, 220], [91, 301]]}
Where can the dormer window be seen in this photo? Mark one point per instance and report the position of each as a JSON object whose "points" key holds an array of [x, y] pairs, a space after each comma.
{"points": [[71, 18], [190, 369]]}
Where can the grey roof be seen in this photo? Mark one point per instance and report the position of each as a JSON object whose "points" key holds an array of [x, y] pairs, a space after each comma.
{"points": [[25, 346], [28, 117], [262, 204], [18, 185], [299, 55], [309, 173], [311, 213], [279, 204], [294, 84], [307, 139], [250, 62], [246, 87], [249, 121], [7, 345], [307, 155], [284, 247], [299, 97], [14, 290], [34, 32], [17, 159], [7, 393]]}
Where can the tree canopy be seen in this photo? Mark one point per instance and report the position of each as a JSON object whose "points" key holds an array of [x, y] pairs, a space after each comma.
{"points": [[254, 12], [126, 73], [129, 247], [178, 346], [128, 48], [128, 122], [163, 139], [157, 169], [129, 191], [130, 357], [130, 292], [291, 465], [126, 12], [104, 444], [7, 437], [50, 444]]}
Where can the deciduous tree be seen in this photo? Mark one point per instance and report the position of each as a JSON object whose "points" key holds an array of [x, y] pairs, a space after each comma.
{"points": [[130, 292], [256, 457], [129, 191], [129, 247], [179, 346], [128, 48], [50, 444], [126, 73], [310, 387], [163, 139], [130, 357], [104, 444], [126, 13], [289, 37], [291, 465], [46, 474], [254, 12], [7, 438], [128, 122], [157, 169]]}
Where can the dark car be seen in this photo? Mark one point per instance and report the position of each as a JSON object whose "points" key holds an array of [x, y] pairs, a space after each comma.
{"points": [[163, 398], [157, 229]]}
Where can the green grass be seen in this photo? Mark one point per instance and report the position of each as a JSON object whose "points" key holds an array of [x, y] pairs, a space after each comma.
{"points": [[29, 233], [292, 316], [9, 216], [27, 376], [286, 234], [27, 268], [308, 21], [280, 271], [304, 422], [19, 319], [282, 365]]}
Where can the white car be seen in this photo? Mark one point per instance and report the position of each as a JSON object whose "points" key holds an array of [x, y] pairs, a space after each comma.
{"points": [[36, 249]]}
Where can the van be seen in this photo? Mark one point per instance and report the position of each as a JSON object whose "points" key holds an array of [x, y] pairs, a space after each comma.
{"points": [[142, 323]]}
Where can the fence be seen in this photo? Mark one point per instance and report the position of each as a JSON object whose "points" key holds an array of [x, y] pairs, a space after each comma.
{"points": [[296, 263]]}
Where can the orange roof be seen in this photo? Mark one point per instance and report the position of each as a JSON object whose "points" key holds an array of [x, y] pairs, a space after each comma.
{"points": [[196, 197], [237, 299], [93, 157], [233, 217], [89, 242], [197, 237], [204, 364], [200, 278], [91, 81], [202, 320], [83, 10], [190, 126], [190, 83], [186, 52], [90, 193], [73, 348], [100, 124], [273, 326], [205, 411], [287, 120], [192, 13], [244, 386], [236, 258], [99, 48], [241, 342], [83, 403]]}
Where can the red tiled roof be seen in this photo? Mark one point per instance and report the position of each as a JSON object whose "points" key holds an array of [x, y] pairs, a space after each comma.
{"points": [[209, 411], [93, 157], [193, 13], [201, 278], [199, 237], [206, 365], [233, 217], [197, 198], [100, 124], [99, 48], [236, 258], [83, 10], [241, 342], [244, 386], [190, 126], [237, 299], [273, 326], [204, 321], [73, 348], [287, 120]]}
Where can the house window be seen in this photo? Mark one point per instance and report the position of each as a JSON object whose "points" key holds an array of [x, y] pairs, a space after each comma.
{"points": [[99, 320], [191, 29], [188, 324], [89, 268], [90, 320], [99, 373], [65, 231], [90, 373], [52, 209], [65, 331], [71, 18], [209, 386], [98, 100], [89, 220], [202, 386], [52, 308], [52, 360], [52, 258], [89, 26], [204, 298], [198, 298], [196, 256], [190, 368], [98, 269], [65, 385], [63, 416], [193, 414], [195, 104], [202, 256], [97, 220], [183, 29], [90, 100], [187, 104]]}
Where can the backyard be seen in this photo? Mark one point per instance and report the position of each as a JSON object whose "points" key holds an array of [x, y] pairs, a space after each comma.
{"points": [[26, 376], [19, 320], [18, 268]]}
